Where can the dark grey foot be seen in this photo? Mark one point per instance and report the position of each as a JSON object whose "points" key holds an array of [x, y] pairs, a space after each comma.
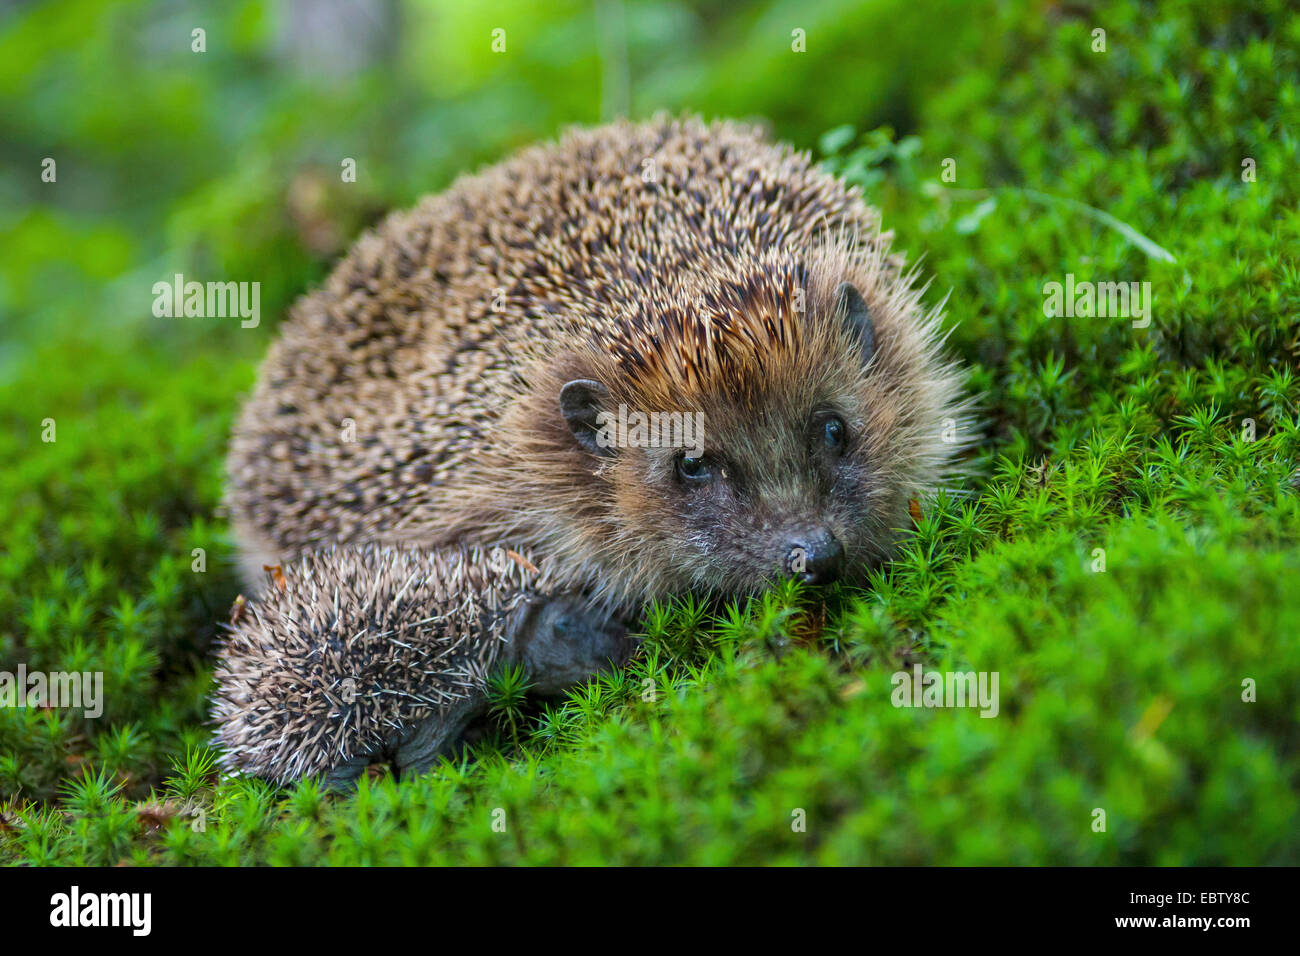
{"points": [[413, 751]]}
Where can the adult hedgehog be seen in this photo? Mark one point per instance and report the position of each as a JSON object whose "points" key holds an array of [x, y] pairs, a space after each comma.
{"points": [[449, 383]]}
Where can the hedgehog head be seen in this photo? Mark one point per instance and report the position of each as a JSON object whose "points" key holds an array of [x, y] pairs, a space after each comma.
{"points": [[562, 642], [772, 422]]}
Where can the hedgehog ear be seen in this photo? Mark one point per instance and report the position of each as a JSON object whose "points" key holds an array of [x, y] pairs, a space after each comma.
{"points": [[581, 402], [853, 308]]}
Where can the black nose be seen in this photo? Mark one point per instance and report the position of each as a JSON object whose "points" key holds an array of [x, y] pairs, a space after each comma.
{"points": [[815, 557]]}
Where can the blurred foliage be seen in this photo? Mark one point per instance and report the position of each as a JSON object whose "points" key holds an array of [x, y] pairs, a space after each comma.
{"points": [[1120, 690], [227, 162]]}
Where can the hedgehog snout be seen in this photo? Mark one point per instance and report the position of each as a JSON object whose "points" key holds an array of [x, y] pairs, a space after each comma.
{"points": [[593, 639], [814, 555]]}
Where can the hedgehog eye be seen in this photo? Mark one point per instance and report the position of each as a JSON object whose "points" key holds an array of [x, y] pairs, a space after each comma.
{"points": [[693, 470], [829, 433], [833, 430]]}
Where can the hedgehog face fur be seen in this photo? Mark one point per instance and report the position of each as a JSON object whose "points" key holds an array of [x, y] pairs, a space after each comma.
{"points": [[474, 342], [814, 439]]}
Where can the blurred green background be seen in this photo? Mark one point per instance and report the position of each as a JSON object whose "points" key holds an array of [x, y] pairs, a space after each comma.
{"points": [[1120, 690], [226, 163]]}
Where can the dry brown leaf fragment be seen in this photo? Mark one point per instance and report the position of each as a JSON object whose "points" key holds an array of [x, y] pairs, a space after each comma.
{"points": [[277, 575]]}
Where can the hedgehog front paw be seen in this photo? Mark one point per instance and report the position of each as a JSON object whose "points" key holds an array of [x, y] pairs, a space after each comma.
{"points": [[413, 749]]}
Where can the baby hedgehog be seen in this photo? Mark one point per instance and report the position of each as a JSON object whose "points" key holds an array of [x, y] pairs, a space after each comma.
{"points": [[361, 654], [482, 369]]}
